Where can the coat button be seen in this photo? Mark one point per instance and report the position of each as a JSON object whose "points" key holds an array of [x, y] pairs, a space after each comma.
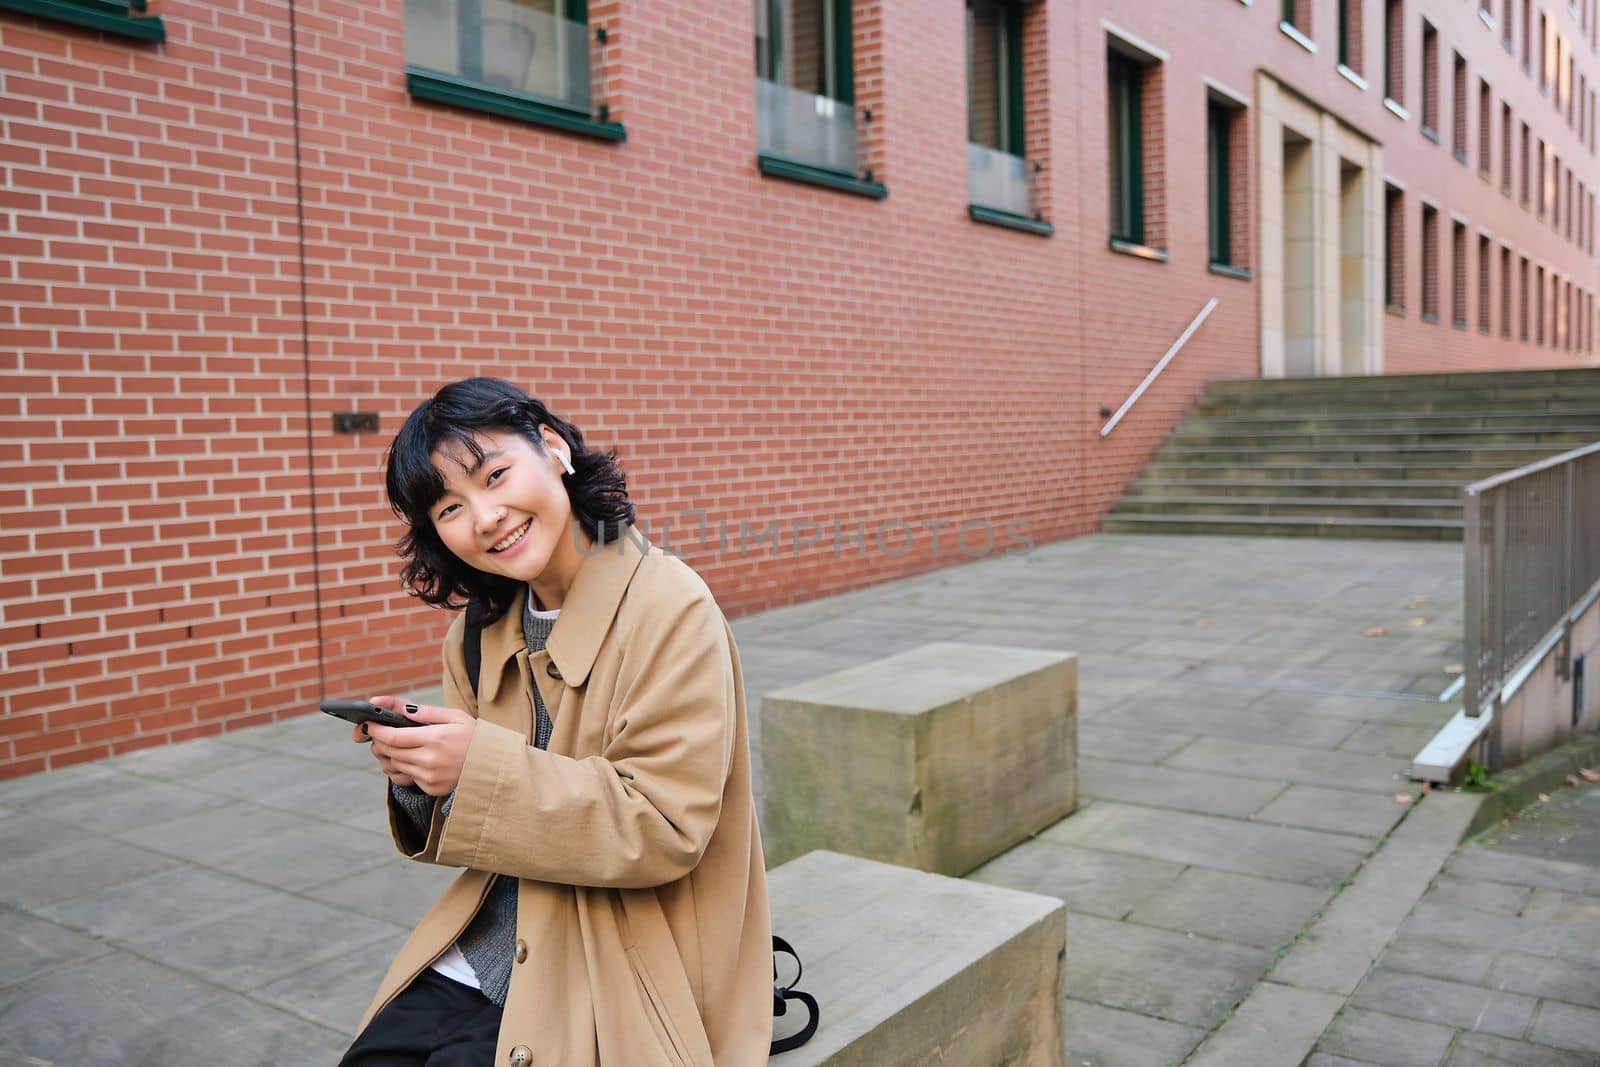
{"points": [[521, 1056], [522, 950], [552, 671]]}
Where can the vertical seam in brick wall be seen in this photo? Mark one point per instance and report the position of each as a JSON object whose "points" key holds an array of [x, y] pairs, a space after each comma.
{"points": [[305, 346]]}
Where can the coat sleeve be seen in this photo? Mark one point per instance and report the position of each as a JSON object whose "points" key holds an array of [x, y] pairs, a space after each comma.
{"points": [[642, 812], [416, 820]]}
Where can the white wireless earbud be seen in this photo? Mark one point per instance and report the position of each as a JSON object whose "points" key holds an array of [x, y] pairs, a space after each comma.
{"points": [[566, 464]]}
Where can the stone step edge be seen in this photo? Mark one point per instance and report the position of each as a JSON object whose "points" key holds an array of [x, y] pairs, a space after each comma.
{"points": [[1383, 416], [1306, 501], [1545, 773], [1290, 483], [1336, 950], [1298, 520]]}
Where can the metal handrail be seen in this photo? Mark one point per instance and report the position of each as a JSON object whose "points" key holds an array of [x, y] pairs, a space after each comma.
{"points": [[1532, 541], [1159, 367]]}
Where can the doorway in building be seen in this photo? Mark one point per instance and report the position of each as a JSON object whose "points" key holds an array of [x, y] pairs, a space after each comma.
{"points": [[1299, 257]]}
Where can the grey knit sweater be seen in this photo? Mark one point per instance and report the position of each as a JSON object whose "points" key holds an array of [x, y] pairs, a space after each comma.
{"points": [[488, 940]]}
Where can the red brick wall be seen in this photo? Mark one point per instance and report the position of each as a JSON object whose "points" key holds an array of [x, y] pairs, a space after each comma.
{"points": [[757, 349]]}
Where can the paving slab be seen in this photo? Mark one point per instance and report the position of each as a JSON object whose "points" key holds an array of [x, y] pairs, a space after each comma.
{"points": [[1374, 1037], [1104, 741], [1339, 811], [1098, 1036], [335, 992], [1309, 766], [1240, 724], [1465, 1007], [1308, 856], [1208, 903], [1168, 787], [128, 1011], [406, 888], [30, 946], [1576, 982], [1567, 1026], [1276, 1027], [74, 868], [1089, 880], [1493, 897], [1414, 954], [1486, 1050], [1178, 977]]}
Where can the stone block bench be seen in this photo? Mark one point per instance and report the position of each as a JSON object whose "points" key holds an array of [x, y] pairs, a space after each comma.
{"points": [[911, 968], [939, 758]]}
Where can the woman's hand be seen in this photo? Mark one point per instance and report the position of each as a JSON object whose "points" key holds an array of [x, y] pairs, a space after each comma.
{"points": [[429, 756]]}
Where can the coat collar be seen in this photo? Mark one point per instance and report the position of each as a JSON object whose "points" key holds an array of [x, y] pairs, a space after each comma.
{"points": [[585, 617]]}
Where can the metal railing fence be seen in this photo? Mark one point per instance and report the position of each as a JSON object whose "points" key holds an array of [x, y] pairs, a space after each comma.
{"points": [[1532, 566]]}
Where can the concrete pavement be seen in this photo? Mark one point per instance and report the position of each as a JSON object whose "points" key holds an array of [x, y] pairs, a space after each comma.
{"points": [[1250, 878]]}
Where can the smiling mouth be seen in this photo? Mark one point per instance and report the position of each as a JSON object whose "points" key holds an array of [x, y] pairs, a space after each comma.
{"points": [[511, 538]]}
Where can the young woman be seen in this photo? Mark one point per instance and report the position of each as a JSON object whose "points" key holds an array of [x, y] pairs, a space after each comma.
{"points": [[595, 782]]}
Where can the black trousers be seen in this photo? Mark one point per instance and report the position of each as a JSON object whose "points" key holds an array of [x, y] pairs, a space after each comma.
{"points": [[433, 1022]]}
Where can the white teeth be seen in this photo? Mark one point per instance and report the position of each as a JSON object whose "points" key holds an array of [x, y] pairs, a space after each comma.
{"points": [[511, 538]]}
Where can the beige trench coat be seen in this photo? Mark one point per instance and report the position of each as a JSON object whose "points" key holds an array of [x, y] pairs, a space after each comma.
{"points": [[643, 935]]}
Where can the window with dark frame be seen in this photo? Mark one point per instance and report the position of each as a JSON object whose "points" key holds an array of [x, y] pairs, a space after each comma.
{"points": [[1394, 52], [805, 93], [1485, 130], [538, 50], [1430, 263], [1394, 248], [1458, 105], [1225, 134], [121, 18], [1527, 150], [1523, 314], [1000, 179], [1505, 292], [1458, 275], [1507, 143], [1125, 85], [1505, 24], [1351, 41], [1485, 260], [1430, 81]]}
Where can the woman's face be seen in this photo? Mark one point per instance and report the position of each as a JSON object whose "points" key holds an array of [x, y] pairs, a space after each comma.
{"points": [[508, 513]]}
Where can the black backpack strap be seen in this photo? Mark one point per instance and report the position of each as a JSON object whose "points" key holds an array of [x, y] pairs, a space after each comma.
{"points": [[781, 995], [472, 642]]}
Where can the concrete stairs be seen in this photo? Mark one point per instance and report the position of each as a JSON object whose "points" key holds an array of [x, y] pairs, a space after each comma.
{"points": [[1379, 457]]}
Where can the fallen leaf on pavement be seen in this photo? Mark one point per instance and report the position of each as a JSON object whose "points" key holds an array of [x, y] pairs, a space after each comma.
{"points": [[1405, 798], [1589, 776], [1376, 631], [1420, 620], [1544, 798], [1452, 668]]}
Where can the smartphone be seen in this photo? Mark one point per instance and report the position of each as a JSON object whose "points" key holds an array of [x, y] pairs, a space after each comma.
{"points": [[359, 711]]}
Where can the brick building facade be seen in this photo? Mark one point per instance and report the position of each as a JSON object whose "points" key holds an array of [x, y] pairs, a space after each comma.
{"points": [[219, 242]]}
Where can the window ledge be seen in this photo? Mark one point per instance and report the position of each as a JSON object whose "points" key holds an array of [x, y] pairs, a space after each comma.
{"points": [[1459, 155], [994, 217], [1293, 33], [112, 18], [1131, 248], [1428, 316], [1488, 19], [1431, 134], [778, 167], [1396, 309], [1396, 109], [440, 88], [1484, 330], [1228, 270], [1460, 324], [1485, 175], [1353, 78]]}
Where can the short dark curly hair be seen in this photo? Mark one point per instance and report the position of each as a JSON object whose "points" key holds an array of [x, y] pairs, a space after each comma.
{"points": [[597, 488]]}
